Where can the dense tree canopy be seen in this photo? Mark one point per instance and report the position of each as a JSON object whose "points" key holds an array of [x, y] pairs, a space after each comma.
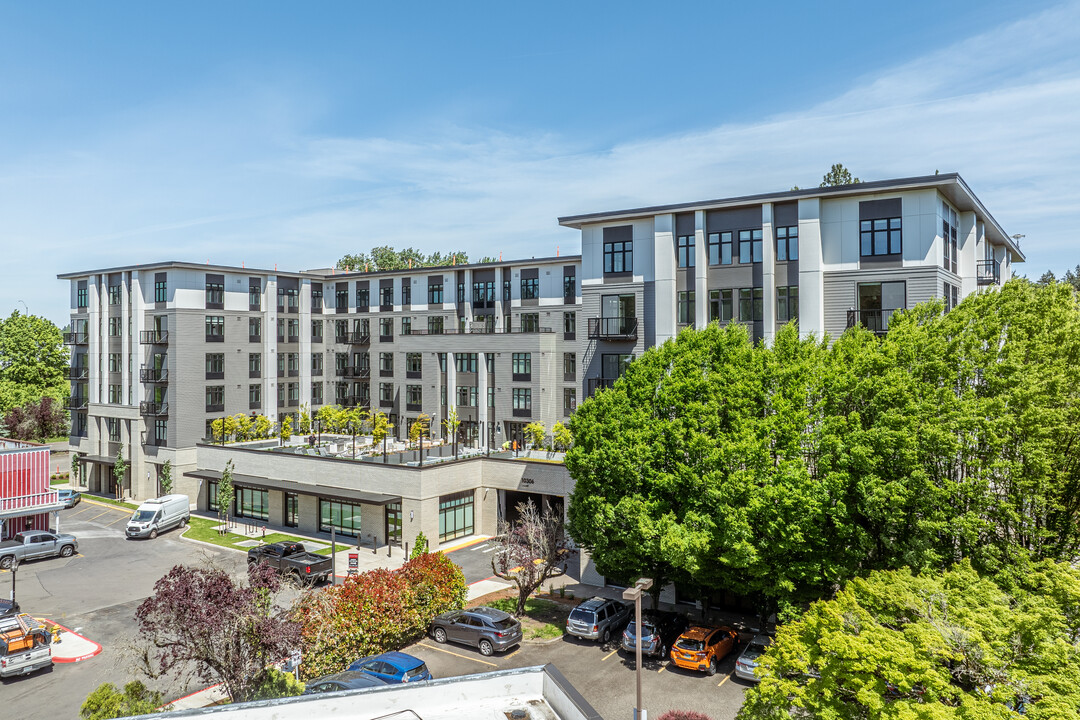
{"points": [[385, 257], [33, 361], [786, 470], [939, 645]]}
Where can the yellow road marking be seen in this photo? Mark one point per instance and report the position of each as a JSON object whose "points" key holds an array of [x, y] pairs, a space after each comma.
{"points": [[610, 654], [726, 678], [97, 516], [507, 657], [662, 668], [450, 652]]}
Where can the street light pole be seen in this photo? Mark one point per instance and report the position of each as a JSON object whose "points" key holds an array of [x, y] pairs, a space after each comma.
{"points": [[634, 594]]}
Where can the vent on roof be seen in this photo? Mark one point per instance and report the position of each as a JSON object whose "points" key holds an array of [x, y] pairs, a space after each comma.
{"points": [[517, 714]]}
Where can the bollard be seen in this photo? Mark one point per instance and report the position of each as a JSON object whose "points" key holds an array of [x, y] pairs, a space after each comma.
{"points": [[406, 549]]}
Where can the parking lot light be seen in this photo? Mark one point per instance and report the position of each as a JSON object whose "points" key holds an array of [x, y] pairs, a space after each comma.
{"points": [[634, 594]]}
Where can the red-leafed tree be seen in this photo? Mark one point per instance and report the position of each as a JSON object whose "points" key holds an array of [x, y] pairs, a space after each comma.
{"points": [[37, 420], [530, 551], [202, 623]]}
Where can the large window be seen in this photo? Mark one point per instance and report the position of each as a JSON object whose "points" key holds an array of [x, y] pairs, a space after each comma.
{"points": [[316, 299], [466, 395], [750, 246], [569, 366], [386, 329], [787, 243], [951, 295], [720, 248], [414, 395], [530, 288], [685, 251], [386, 364], [386, 297], [406, 292], [456, 515], [686, 308], [878, 302], [465, 362], [406, 326], [116, 325], [435, 325], [344, 517], [215, 294], [613, 365], [618, 256], [530, 322], [414, 362], [341, 298], [949, 222], [215, 398], [522, 366], [569, 400], [215, 366], [161, 291], [751, 305], [115, 294], [363, 298], [255, 329], [255, 394], [316, 393], [434, 293], [252, 503], [316, 330], [386, 393], [215, 327], [569, 323], [82, 298], [522, 398], [787, 303], [721, 306], [880, 237]]}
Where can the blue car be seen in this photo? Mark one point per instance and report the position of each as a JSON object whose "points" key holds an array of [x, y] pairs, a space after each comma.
{"points": [[70, 498], [393, 667]]}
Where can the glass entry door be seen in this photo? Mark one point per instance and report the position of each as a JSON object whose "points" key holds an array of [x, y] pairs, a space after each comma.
{"points": [[393, 523]]}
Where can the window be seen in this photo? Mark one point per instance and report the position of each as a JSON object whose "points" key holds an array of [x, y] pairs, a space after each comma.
{"points": [[878, 302], [569, 323], [161, 291], [294, 393], [719, 247], [530, 288], [294, 363], [522, 399], [949, 222], [386, 329], [341, 297], [414, 362], [522, 366], [569, 366], [215, 327], [880, 237], [281, 329], [746, 305], [161, 431], [115, 293], [82, 298], [461, 293], [386, 364], [215, 366], [406, 292], [466, 395], [787, 303], [406, 326], [317, 393], [506, 289], [215, 294], [294, 329], [465, 362], [613, 365], [787, 243], [685, 251], [749, 246], [619, 256], [951, 295], [414, 395], [442, 363], [343, 517], [686, 308], [316, 363], [316, 330], [435, 325], [116, 326], [281, 394], [115, 364], [720, 305], [254, 296], [386, 296], [316, 298], [255, 394], [569, 287], [386, 393], [255, 329], [363, 296], [215, 398], [113, 426], [435, 294], [116, 394], [569, 400], [288, 298], [456, 515], [530, 322], [252, 503]]}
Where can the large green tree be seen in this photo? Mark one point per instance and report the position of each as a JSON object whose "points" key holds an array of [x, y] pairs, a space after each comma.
{"points": [[936, 645], [839, 175], [33, 361], [385, 257]]}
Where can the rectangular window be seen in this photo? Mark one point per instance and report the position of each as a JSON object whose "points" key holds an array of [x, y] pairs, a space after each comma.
{"points": [[506, 288], [569, 366], [744, 246], [316, 330], [406, 292], [522, 399], [569, 400], [293, 326], [530, 288], [281, 329], [569, 288], [343, 517], [215, 398], [721, 306], [461, 293], [386, 297], [316, 299], [294, 363], [746, 304], [363, 297], [612, 365], [116, 326], [569, 323], [255, 329], [530, 322], [215, 294], [522, 366], [294, 393], [878, 302], [215, 328], [386, 393], [215, 366], [787, 303], [787, 243], [750, 246], [115, 364], [254, 296], [341, 298], [949, 224], [161, 291], [435, 325], [386, 329], [252, 503], [435, 294], [115, 294], [414, 395], [686, 308], [82, 298], [414, 363], [685, 251], [880, 237], [254, 394], [465, 362], [466, 395], [316, 393], [116, 394], [406, 326], [113, 426], [456, 515], [386, 364], [619, 256], [316, 364], [161, 431]]}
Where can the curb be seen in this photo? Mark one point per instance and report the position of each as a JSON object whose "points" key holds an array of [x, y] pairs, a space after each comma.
{"points": [[212, 545], [543, 641], [80, 658]]}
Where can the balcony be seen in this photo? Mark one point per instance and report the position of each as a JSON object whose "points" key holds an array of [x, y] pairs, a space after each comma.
{"points": [[988, 272], [351, 401], [78, 373], [594, 384], [522, 412], [356, 338], [356, 372], [154, 337], [876, 321], [613, 328], [152, 375], [77, 403], [76, 338], [153, 409]]}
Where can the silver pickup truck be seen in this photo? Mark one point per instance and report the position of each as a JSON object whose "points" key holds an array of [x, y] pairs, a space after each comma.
{"points": [[36, 544]]}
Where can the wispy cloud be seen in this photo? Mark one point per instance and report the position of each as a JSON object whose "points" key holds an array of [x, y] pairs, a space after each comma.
{"points": [[244, 180]]}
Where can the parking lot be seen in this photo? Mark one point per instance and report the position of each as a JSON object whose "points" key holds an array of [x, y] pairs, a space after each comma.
{"points": [[94, 592]]}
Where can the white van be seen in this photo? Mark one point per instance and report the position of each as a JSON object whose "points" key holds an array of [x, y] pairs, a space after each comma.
{"points": [[159, 515]]}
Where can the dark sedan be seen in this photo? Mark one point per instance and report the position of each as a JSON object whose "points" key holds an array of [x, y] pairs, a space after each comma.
{"points": [[348, 680], [485, 628]]}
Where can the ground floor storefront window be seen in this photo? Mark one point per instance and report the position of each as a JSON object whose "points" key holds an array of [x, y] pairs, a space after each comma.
{"points": [[456, 515], [341, 516], [252, 503]]}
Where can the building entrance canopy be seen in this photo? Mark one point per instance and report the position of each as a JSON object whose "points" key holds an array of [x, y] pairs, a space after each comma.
{"points": [[289, 486]]}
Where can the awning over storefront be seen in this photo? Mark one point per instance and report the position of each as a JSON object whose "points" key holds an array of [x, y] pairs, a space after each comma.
{"points": [[290, 486], [99, 459]]}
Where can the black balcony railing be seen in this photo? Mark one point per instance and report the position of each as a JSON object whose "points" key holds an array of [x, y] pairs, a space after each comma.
{"points": [[356, 338], [154, 337], [76, 403], [153, 409], [613, 328], [356, 372], [351, 401], [154, 375], [78, 373], [594, 384], [988, 272], [76, 338], [876, 321]]}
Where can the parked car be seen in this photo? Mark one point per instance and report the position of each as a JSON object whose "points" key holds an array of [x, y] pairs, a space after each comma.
{"points": [[393, 667], [8, 607], [158, 515], [486, 628], [24, 645], [748, 658], [702, 648], [70, 498], [660, 631], [292, 560], [598, 619], [36, 544], [348, 680]]}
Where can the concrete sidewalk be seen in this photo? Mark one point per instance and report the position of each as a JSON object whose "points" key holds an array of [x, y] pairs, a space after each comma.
{"points": [[70, 646]]}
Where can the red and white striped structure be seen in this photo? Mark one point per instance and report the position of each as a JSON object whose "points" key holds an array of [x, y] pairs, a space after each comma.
{"points": [[25, 495]]}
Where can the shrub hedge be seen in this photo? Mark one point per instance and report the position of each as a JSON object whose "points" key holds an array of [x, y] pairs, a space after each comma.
{"points": [[376, 611]]}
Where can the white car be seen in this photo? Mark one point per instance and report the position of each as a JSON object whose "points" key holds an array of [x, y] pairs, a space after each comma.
{"points": [[748, 658]]}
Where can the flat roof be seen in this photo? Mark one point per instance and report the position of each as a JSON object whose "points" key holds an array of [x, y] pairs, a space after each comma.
{"points": [[951, 185], [300, 488]]}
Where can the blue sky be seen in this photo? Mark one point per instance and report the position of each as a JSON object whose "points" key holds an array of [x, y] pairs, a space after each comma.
{"points": [[293, 133]]}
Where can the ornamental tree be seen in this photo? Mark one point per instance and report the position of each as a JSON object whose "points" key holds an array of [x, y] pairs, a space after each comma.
{"points": [[166, 478], [202, 623], [535, 432], [225, 494], [530, 551]]}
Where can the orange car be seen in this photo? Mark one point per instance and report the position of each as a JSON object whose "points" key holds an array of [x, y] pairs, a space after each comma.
{"points": [[702, 648]]}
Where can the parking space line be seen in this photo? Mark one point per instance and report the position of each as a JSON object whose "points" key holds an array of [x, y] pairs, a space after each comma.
{"points": [[450, 652], [610, 654], [97, 516], [507, 657], [726, 678], [662, 668]]}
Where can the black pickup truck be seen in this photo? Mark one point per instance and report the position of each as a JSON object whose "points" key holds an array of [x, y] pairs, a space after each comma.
{"points": [[292, 560]]}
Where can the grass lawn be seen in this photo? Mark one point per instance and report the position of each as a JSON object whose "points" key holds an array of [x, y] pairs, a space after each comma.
{"points": [[203, 529], [59, 481], [543, 619], [110, 501]]}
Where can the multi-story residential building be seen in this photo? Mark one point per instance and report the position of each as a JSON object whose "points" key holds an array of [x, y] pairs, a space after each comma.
{"points": [[159, 351], [829, 257]]}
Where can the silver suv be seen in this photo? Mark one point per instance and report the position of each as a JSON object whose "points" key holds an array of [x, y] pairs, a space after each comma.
{"points": [[598, 619]]}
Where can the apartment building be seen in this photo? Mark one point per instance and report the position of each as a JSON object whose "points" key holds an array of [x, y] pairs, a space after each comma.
{"points": [[161, 350], [828, 257]]}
